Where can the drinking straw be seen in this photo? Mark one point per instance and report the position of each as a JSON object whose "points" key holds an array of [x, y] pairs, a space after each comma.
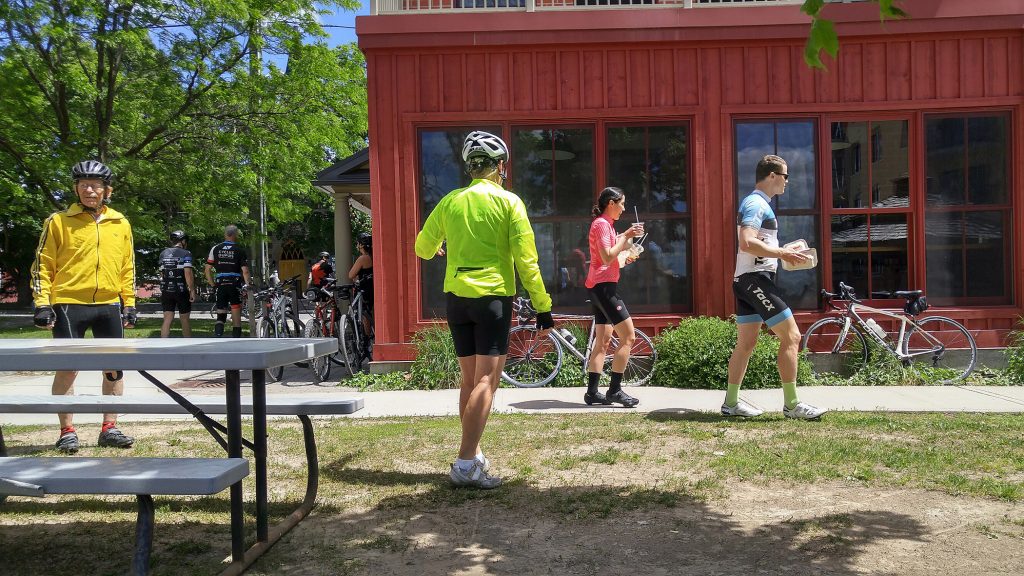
{"points": [[636, 215]]}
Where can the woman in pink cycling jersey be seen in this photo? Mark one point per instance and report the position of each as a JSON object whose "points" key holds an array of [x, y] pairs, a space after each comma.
{"points": [[609, 310]]}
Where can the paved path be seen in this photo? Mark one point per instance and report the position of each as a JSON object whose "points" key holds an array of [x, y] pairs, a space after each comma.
{"points": [[539, 400]]}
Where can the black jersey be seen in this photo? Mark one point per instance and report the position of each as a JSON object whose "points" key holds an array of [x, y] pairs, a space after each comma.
{"points": [[229, 259], [173, 262]]}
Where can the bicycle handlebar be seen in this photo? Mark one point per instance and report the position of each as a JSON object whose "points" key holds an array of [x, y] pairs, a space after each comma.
{"points": [[523, 309], [845, 293]]}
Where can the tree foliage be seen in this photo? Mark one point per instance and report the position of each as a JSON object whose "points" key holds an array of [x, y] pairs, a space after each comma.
{"points": [[823, 33], [199, 107]]}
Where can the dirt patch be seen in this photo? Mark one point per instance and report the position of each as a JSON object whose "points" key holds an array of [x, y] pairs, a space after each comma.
{"points": [[816, 529]]}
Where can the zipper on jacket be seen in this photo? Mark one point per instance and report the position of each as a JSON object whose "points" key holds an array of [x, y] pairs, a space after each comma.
{"points": [[467, 269], [97, 290]]}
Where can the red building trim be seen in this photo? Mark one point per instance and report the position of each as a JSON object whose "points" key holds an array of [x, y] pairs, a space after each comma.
{"points": [[708, 66]]}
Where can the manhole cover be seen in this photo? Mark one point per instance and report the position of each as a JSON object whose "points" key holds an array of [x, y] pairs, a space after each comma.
{"points": [[193, 384]]}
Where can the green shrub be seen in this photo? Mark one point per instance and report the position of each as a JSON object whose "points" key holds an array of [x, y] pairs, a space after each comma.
{"points": [[695, 354], [1014, 372], [436, 367], [367, 382]]}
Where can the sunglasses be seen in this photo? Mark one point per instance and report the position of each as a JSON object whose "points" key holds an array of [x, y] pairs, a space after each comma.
{"points": [[784, 176]]}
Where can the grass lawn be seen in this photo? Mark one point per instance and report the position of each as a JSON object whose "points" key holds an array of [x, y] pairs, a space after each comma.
{"points": [[659, 493], [202, 327]]}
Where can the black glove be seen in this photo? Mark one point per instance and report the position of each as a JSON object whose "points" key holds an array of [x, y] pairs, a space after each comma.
{"points": [[44, 317], [545, 321], [129, 316]]}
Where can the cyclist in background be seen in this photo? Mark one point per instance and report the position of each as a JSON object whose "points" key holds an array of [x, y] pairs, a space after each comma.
{"points": [[177, 284], [78, 286], [609, 310], [361, 274], [319, 273], [489, 238], [758, 299], [232, 266]]}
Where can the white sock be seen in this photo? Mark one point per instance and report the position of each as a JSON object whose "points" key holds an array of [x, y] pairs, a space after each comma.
{"points": [[480, 457], [464, 465]]}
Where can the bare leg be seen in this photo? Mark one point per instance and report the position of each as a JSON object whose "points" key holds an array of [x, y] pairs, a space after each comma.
{"points": [[64, 384], [165, 328], [112, 388], [627, 335], [789, 348], [602, 337], [186, 327], [486, 377], [746, 339]]}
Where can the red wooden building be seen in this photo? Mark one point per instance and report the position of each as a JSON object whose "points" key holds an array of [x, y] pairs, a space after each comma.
{"points": [[905, 156]]}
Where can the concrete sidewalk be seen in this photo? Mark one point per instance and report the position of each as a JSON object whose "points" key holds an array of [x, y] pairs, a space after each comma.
{"points": [[535, 400]]}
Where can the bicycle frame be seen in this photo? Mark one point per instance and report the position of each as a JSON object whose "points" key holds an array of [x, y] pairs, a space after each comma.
{"points": [[852, 311]]}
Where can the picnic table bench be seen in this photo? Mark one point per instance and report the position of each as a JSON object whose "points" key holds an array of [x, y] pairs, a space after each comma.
{"points": [[139, 477], [230, 355]]}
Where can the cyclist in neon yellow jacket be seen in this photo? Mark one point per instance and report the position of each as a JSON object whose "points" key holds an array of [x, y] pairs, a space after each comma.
{"points": [[489, 239], [83, 278]]}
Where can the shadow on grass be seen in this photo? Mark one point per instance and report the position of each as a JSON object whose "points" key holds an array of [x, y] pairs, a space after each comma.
{"points": [[685, 415], [521, 528], [560, 405]]}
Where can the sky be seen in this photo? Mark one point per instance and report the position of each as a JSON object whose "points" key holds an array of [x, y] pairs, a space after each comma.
{"points": [[345, 21]]}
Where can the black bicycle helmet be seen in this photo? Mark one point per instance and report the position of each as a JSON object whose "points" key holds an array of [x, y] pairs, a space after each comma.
{"points": [[91, 169], [325, 255], [178, 236], [479, 143]]}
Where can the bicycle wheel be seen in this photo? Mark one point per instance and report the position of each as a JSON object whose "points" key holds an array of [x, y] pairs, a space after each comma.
{"points": [[532, 361], [832, 352], [268, 330], [349, 339], [640, 365], [941, 350], [321, 365], [338, 357]]}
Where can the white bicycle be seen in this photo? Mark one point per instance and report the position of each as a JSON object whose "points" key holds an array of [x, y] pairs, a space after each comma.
{"points": [[534, 361]]}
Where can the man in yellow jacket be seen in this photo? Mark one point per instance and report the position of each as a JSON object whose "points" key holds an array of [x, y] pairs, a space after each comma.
{"points": [[489, 239], [83, 278]]}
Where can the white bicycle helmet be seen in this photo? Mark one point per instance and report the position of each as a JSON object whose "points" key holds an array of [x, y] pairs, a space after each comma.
{"points": [[91, 169], [480, 143]]}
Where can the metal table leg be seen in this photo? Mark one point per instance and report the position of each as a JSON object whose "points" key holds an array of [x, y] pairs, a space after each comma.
{"points": [[259, 432], [143, 535], [234, 412]]}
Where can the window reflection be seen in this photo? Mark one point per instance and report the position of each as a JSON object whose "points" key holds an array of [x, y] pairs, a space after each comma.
{"points": [[886, 184], [967, 250], [651, 165]]}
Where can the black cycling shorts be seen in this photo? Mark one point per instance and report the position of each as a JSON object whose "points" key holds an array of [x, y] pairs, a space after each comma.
{"points": [[758, 299], [74, 319], [171, 301], [608, 307], [229, 294], [479, 326]]}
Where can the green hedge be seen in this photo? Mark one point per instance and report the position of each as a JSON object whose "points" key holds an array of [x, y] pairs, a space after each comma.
{"points": [[695, 354]]}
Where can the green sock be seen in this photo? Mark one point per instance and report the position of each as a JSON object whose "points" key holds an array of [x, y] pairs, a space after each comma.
{"points": [[732, 394], [789, 394]]}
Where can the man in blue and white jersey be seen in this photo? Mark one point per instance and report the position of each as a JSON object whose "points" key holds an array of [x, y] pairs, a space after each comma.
{"points": [[758, 299]]}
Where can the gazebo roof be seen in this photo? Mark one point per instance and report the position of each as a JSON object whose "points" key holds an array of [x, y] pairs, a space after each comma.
{"points": [[351, 175]]}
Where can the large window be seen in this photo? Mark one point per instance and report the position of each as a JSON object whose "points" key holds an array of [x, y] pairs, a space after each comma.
{"points": [[797, 209], [651, 164], [553, 172], [871, 206], [968, 210]]}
